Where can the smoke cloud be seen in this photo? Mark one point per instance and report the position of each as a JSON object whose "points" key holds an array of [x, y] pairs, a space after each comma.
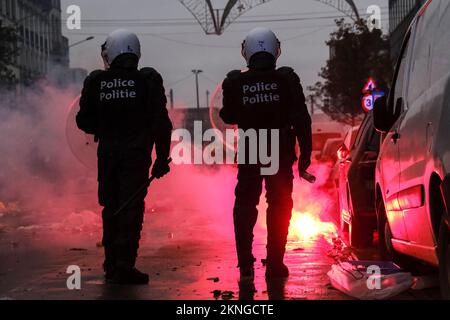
{"points": [[44, 187], [38, 168]]}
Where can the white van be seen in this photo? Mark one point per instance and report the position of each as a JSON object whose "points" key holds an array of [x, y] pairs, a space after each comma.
{"points": [[413, 169]]}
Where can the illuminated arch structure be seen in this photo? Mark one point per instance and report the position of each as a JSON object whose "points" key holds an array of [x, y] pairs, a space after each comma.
{"points": [[215, 21]]}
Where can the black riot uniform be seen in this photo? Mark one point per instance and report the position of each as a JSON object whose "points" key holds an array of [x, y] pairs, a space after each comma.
{"points": [[125, 108], [267, 98]]}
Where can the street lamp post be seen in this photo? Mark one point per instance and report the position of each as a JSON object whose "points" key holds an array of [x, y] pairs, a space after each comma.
{"points": [[197, 72], [82, 41]]}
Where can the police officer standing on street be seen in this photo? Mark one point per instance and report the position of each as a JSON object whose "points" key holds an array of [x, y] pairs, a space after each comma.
{"points": [[265, 97], [125, 108]]}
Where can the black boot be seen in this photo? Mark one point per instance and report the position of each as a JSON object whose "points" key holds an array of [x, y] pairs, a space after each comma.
{"points": [[109, 272], [276, 249], [125, 272], [109, 266], [247, 273], [276, 268], [130, 277], [277, 271]]}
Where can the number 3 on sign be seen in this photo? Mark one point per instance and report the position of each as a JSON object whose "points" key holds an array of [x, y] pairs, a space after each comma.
{"points": [[367, 103]]}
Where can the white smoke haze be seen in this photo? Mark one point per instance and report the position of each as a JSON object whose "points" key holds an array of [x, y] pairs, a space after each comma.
{"points": [[37, 167], [39, 176]]}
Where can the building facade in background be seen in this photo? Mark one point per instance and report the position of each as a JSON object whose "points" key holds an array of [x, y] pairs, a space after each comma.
{"points": [[401, 14], [42, 46]]}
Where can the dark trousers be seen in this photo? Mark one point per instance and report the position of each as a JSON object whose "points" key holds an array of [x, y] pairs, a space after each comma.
{"points": [[279, 213], [121, 174]]}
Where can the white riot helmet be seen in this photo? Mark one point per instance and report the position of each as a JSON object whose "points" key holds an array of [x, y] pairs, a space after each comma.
{"points": [[120, 42], [261, 40]]}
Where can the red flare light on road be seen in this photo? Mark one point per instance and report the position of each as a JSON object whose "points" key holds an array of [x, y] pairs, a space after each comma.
{"points": [[307, 226]]}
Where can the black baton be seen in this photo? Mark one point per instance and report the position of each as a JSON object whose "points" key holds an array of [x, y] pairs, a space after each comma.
{"points": [[137, 193]]}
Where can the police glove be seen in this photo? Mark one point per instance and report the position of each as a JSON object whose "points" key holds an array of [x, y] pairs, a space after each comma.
{"points": [[303, 166], [160, 168]]}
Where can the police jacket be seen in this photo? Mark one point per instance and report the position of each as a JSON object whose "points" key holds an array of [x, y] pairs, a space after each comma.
{"points": [[268, 98], [125, 105]]}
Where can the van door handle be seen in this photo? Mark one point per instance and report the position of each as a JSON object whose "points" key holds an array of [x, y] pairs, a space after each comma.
{"points": [[395, 137]]}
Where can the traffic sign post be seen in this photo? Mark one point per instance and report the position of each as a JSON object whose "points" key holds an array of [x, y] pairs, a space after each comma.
{"points": [[367, 102], [370, 95]]}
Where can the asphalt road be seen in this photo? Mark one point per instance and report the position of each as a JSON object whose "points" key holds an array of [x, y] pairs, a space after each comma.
{"points": [[187, 247]]}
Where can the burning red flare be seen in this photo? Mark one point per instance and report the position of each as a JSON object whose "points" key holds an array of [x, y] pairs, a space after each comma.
{"points": [[306, 226]]}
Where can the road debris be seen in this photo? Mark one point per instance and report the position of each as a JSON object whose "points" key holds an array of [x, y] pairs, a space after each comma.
{"points": [[340, 252], [216, 294], [370, 280], [227, 295]]}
